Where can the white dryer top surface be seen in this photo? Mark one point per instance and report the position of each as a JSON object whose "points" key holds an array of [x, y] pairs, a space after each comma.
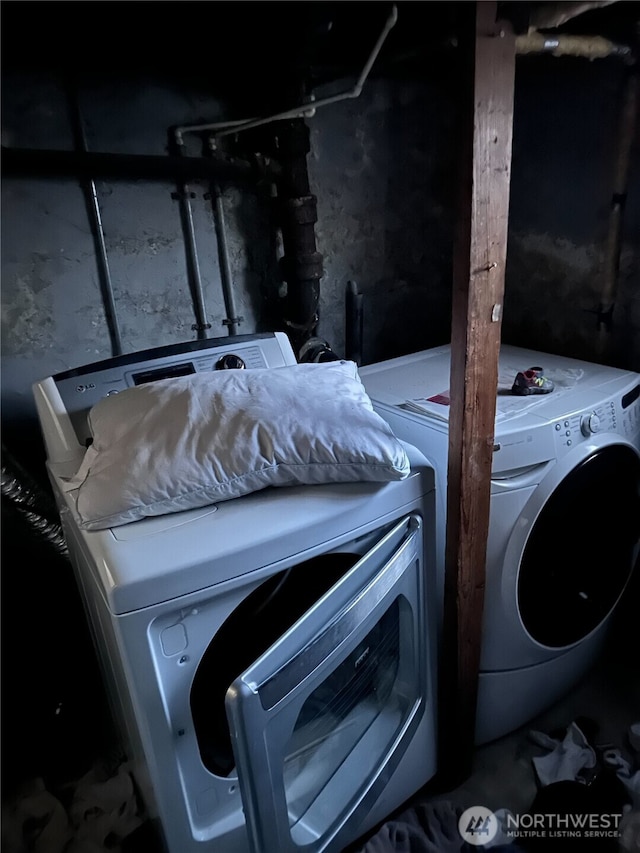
{"points": [[160, 559], [579, 386]]}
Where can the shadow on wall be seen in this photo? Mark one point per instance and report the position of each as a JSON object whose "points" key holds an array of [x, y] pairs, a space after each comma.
{"points": [[552, 294]]}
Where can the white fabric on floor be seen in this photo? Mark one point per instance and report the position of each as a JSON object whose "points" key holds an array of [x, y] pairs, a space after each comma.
{"points": [[567, 758]]}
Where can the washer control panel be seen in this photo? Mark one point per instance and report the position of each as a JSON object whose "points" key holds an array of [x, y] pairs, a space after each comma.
{"points": [[621, 416]]}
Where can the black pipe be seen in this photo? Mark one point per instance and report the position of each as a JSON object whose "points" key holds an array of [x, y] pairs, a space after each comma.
{"points": [[184, 196], [301, 264], [354, 317], [46, 163], [97, 231]]}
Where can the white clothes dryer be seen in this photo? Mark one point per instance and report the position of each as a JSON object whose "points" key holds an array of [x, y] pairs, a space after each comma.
{"points": [[270, 659], [564, 522]]}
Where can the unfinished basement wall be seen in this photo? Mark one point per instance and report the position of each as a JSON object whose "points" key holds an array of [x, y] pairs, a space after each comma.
{"points": [[566, 118], [53, 313], [381, 167], [384, 170]]}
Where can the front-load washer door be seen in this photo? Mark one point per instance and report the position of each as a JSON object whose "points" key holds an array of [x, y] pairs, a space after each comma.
{"points": [[320, 721], [581, 549]]}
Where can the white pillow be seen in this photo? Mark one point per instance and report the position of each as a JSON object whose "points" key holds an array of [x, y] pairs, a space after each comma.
{"points": [[178, 444]]}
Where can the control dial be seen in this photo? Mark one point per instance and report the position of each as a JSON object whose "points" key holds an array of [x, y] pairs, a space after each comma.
{"points": [[229, 362], [590, 424]]}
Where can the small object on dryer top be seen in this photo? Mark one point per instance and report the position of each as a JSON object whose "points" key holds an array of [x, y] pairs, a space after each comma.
{"points": [[531, 381]]}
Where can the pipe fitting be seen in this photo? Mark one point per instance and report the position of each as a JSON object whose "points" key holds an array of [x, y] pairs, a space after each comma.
{"points": [[302, 211], [316, 350]]}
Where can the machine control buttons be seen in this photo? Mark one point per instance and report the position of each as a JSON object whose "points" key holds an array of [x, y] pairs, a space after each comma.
{"points": [[230, 361], [590, 424]]}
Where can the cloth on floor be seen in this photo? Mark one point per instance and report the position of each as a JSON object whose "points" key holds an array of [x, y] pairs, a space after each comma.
{"points": [[95, 814], [501, 839], [425, 828], [630, 832], [104, 808], [572, 799], [631, 780], [568, 757], [634, 737], [34, 821]]}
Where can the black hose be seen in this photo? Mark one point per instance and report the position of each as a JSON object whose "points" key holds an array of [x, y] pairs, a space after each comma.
{"points": [[32, 503]]}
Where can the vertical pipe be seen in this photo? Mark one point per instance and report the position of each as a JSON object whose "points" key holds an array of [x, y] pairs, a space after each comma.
{"points": [[302, 263], [232, 319], [184, 196], [95, 219], [354, 323]]}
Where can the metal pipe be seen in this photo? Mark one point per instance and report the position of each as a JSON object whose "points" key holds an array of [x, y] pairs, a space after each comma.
{"points": [[226, 128], [184, 196], [97, 230], [232, 319], [103, 264]]}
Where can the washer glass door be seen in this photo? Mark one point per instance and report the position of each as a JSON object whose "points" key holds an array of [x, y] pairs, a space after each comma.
{"points": [[580, 552], [319, 722]]}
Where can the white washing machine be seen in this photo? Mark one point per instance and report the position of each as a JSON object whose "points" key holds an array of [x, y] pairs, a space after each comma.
{"points": [[564, 515], [270, 659]]}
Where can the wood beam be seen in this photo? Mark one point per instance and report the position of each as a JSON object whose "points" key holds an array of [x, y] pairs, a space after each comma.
{"points": [[480, 251]]}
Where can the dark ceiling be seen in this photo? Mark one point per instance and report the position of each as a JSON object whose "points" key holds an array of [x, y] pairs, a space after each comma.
{"points": [[254, 42], [179, 34]]}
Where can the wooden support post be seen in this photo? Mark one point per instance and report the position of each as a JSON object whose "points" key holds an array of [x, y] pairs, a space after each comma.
{"points": [[480, 251]]}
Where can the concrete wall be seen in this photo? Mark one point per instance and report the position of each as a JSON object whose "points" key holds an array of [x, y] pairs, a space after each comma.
{"points": [[383, 169], [566, 119]]}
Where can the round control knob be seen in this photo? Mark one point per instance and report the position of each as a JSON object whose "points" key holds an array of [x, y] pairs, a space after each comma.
{"points": [[230, 362], [590, 424]]}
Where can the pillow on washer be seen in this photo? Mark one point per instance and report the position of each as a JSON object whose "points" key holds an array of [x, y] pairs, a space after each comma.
{"points": [[178, 444]]}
